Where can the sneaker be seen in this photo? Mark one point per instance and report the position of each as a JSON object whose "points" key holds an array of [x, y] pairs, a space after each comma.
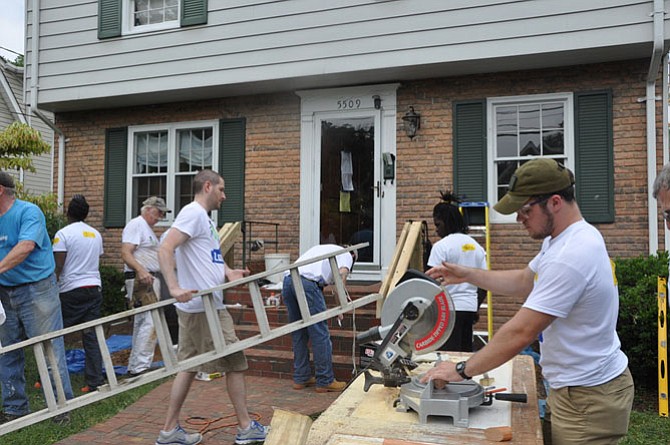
{"points": [[256, 433], [61, 419], [334, 386], [178, 437], [7, 417], [310, 382]]}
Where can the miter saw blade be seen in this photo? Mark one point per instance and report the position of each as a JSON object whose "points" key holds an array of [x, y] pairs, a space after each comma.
{"points": [[436, 323]]}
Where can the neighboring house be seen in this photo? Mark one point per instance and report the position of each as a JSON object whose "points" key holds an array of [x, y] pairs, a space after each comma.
{"points": [[12, 108], [300, 105]]}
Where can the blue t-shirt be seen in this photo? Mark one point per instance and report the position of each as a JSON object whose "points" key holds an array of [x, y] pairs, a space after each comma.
{"points": [[25, 221]]}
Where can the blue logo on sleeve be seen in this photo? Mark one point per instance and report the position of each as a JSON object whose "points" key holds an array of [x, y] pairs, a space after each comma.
{"points": [[216, 256]]}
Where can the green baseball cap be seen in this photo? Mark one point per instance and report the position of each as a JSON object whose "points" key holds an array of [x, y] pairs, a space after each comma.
{"points": [[540, 176]]}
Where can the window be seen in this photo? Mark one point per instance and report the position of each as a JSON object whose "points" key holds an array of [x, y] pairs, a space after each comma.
{"points": [[151, 15], [165, 159], [523, 128], [492, 136], [118, 17]]}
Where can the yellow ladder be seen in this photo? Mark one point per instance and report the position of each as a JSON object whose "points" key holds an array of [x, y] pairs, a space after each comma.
{"points": [[46, 359], [482, 231], [662, 348]]}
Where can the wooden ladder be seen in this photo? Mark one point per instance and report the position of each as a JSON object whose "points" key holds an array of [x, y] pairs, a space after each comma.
{"points": [[46, 358]]}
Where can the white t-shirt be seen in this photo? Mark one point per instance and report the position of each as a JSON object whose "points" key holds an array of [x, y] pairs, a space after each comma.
{"points": [[83, 247], [459, 248], [321, 271], [199, 261], [575, 282], [139, 233]]}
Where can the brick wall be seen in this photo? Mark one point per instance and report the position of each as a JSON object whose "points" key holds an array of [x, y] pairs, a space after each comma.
{"points": [[424, 164]]}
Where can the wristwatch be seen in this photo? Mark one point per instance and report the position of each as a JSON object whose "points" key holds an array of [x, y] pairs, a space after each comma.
{"points": [[460, 369]]}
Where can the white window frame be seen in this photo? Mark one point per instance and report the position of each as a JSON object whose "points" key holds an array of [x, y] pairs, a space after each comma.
{"points": [[172, 128], [569, 130], [129, 27]]}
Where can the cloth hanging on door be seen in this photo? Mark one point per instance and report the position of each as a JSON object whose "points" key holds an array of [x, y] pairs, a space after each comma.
{"points": [[345, 202], [347, 171]]}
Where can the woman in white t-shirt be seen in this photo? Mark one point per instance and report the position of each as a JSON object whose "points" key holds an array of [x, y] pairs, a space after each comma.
{"points": [[458, 247]]}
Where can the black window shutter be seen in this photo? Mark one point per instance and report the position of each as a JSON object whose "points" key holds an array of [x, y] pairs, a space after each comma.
{"points": [[193, 12], [109, 18], [470, 150], [594, 156], [232, 145], [116, 156]]}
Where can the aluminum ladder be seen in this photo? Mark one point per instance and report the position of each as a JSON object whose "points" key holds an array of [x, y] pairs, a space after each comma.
{"points": [[46, 359]]}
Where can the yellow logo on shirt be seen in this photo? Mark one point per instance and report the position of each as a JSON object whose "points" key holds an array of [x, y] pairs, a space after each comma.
{"points": [[613, 264], [467, 247], [88, 234], [56, 241]]}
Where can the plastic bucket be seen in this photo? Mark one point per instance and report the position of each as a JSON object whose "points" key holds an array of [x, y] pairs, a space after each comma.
{"points": [[276, 260]]}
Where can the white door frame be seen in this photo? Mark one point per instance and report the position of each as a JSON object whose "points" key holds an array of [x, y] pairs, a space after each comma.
{"points": [[315, 103]]}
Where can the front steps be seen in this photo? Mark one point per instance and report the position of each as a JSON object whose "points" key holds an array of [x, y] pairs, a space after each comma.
{"points": [[275, 357]]}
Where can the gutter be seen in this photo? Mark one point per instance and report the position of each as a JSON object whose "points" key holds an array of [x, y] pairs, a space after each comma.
{"points": [[666, 143], [34, 72], [654, 65]]}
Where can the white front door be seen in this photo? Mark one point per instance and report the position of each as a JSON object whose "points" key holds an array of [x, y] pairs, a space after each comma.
{"points": [[344, 198]]}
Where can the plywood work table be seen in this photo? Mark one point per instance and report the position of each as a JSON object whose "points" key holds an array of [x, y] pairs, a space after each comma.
{"points": [[360, 418]]}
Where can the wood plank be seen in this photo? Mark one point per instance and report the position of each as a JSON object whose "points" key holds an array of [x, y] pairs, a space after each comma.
{"points": [[288, 428]]}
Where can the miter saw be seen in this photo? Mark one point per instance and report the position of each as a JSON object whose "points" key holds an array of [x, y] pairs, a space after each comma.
{"points": [[418, 317]]}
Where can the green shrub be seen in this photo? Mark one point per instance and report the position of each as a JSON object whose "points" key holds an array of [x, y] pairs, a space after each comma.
{"points": [[638, 314], [48, 203], [113, 298]]}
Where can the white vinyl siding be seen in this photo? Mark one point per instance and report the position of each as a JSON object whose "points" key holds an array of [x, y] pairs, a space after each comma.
{"points": [[286, 42]]}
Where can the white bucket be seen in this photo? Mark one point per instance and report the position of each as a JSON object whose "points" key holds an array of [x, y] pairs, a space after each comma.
{"points": [[276, 260]]}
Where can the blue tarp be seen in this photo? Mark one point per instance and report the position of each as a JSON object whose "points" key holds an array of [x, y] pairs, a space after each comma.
{"points": [[75, 357]]}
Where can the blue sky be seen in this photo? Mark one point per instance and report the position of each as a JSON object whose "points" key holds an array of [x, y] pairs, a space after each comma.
{"points": [[12, 27]]}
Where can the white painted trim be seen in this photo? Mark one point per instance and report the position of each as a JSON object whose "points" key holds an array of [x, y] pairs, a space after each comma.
{"points": [[569, 139]]}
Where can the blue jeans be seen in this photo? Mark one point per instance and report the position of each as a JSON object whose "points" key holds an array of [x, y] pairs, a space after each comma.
{"points": [[79, 306], [32, 310], [318, 333]]}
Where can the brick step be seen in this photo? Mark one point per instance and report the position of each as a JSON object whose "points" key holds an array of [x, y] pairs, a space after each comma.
{"points": [[278, 316], [241, 294], [279, 364]]}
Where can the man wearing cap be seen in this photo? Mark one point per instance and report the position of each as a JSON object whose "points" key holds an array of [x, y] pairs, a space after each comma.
{"points": [[28, 293], [77, 250], [139, 251], [571, 305]]}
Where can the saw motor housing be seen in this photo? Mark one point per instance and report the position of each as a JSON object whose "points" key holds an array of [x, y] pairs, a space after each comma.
{"points": [[418, 317]]}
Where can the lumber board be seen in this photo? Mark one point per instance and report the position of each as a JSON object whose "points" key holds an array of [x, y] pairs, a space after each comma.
{"points": [[288, 428]]}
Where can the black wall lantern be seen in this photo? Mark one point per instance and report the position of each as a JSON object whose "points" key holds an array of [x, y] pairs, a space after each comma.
{"points": [[411, 122]]}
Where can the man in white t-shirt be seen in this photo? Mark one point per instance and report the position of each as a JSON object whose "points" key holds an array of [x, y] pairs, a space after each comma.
{"points": [[139, 251], [77, 249], [191, 260], [315, 276], [572, 305]]}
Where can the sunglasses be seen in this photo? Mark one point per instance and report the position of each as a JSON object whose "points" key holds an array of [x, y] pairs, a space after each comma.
{"points": [[526, 208]]}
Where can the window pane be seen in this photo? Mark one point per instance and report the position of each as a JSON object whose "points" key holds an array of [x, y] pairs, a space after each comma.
{"points": [[529, 118], [506, 119], [156, 4], [552, 116], [529, 143], [183, 191], [552, 142], [141, 18], [146, 186], [151, 152], [505, 171], [171, 14], [195, 149], [141, 5], [506, 145]]}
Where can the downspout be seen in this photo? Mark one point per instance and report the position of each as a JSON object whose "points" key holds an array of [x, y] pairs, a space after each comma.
{"points": [[654, 65], [666, 144], [34, 70]]}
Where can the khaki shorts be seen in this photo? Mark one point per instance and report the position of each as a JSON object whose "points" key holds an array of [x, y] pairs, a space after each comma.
{"points": [[596, 415], [195, 339]]}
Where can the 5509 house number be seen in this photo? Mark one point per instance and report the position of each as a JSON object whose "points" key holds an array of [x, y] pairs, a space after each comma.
{"points": [[349, 104]]}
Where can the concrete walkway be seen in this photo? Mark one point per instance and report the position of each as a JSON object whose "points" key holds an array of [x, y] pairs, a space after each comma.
{"points": [[207, 401]]}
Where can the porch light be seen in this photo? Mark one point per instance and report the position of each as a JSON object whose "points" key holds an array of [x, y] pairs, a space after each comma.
{"points": [[411, 122]]}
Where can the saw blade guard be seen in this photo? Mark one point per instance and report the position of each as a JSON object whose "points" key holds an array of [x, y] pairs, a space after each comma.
{"points": [[437, 318]]}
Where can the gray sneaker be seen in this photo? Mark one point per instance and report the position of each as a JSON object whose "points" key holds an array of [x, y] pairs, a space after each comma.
{"points": [[178, 437], [256, 433]]}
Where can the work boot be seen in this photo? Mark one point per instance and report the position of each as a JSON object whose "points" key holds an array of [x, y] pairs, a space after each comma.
{"points": [[334, 386], [310, 382]]}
